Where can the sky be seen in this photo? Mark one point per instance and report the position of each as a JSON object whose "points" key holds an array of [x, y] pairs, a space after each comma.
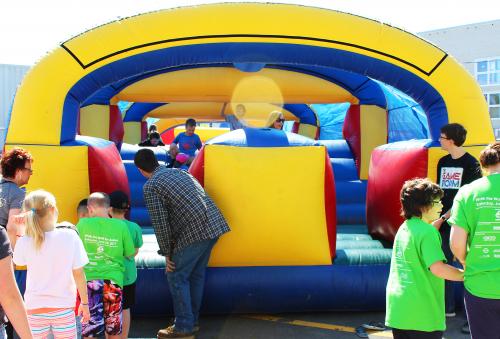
{"points": [[31, 28]]}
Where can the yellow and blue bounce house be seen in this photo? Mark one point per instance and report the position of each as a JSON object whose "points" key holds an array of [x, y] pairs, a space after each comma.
{"points": [[310, 206]]}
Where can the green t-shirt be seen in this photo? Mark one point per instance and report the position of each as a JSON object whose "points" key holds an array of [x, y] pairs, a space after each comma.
{"points": [[415, 296], [106, 241], [476, 209], [130, 269]]}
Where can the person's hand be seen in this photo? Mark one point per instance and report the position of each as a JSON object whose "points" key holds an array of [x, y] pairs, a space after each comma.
{"points": [[170, 264], [19, 224], [84, 312]]}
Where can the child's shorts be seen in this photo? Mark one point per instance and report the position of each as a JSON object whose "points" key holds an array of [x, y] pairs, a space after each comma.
{"points": [[61, 323], [128, 296], [105, 304]]}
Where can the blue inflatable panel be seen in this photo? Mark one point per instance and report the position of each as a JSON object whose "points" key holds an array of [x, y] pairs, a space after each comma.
{"points": [[358, 244], [265, 137], [348, 192], [272, 289], [139, 215], [348, 214], [344, 169], [366, 256], [261, 137], [149, 230], [337, 148], [133, 173], [348, 236], [351, 229], [128, 152], [136, 195]]}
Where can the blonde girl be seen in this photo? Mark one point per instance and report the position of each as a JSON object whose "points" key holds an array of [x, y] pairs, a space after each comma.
{"points": [[55, 260]]}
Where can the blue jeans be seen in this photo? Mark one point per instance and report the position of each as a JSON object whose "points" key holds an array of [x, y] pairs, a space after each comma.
{"points": [[449, 288], [187, 282]]}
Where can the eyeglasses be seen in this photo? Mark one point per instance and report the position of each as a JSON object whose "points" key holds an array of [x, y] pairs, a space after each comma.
{"points": [[441, 137], [28, 169], [280, 120]]}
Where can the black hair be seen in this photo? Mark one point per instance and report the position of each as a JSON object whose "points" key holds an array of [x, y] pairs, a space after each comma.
{"points": [[145, 159], [154, 135], [455, 132], [418, 194], [190, 122]]}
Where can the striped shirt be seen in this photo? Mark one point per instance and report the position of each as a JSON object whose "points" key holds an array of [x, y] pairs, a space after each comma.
{"points": [[181, 211]]}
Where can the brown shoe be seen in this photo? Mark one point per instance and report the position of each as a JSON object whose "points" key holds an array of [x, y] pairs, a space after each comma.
{"points": [[170, 332]]}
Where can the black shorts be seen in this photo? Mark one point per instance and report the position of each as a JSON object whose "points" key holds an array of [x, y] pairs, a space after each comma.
{"points": [[128, 296]]}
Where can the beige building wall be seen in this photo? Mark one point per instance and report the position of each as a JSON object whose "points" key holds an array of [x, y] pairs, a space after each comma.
{"points": [[471, 45]]}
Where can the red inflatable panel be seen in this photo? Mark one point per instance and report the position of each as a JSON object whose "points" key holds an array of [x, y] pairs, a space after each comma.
{"points": [[144, 130], [330, 205], [168, 136], [116, 129], [389, 169], [352, 132], [106, 170], [197, 168]]}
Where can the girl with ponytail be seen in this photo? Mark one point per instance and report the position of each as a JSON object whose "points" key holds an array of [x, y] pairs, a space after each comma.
{"points": [[55, 261]]}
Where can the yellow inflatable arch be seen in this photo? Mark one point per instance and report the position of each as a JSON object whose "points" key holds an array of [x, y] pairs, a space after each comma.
{"points": [[252, 43]]}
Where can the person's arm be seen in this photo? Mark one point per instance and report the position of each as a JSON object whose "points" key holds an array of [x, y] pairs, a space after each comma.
{"points": [[458, 243], [475, 171], [445, 271], [14, 226], [11, 299], [198, 143], [128, 243], [81, 285], [460, 226], [159, 219]]}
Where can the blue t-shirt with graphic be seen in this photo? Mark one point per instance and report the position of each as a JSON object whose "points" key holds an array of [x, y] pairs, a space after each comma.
{"points": [[188, 144]]}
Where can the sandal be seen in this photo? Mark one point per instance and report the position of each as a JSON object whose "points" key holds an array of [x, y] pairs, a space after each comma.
{"points": [[360, 332], [373, 325]]}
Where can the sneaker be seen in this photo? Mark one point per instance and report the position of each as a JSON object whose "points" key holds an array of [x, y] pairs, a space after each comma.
{"points": [[450, 314], [196, 328], [465, 328], [170, 332]]}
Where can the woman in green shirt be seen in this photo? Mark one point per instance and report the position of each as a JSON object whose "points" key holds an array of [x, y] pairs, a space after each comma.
{"points": [[415, 290], [475, 242]]}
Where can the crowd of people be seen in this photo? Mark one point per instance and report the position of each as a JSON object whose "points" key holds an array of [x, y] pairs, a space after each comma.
{"points": [[80, 280]]}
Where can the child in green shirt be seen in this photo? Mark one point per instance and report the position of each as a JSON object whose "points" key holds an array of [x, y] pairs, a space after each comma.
{"points": [[107, 241], [119, 207], [415, 290]]}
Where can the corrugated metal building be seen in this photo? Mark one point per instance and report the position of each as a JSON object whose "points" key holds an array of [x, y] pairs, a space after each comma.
{"points": [[10, 78]]}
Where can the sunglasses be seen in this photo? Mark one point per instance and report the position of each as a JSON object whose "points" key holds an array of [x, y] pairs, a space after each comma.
{"points": [[280, 120]]}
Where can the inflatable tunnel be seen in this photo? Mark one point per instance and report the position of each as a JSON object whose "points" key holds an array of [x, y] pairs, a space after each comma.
{"points": [[66, 112]]}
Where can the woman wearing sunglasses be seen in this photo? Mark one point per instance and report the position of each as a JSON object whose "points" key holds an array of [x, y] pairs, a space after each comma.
{"points": [[276, 120]]}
